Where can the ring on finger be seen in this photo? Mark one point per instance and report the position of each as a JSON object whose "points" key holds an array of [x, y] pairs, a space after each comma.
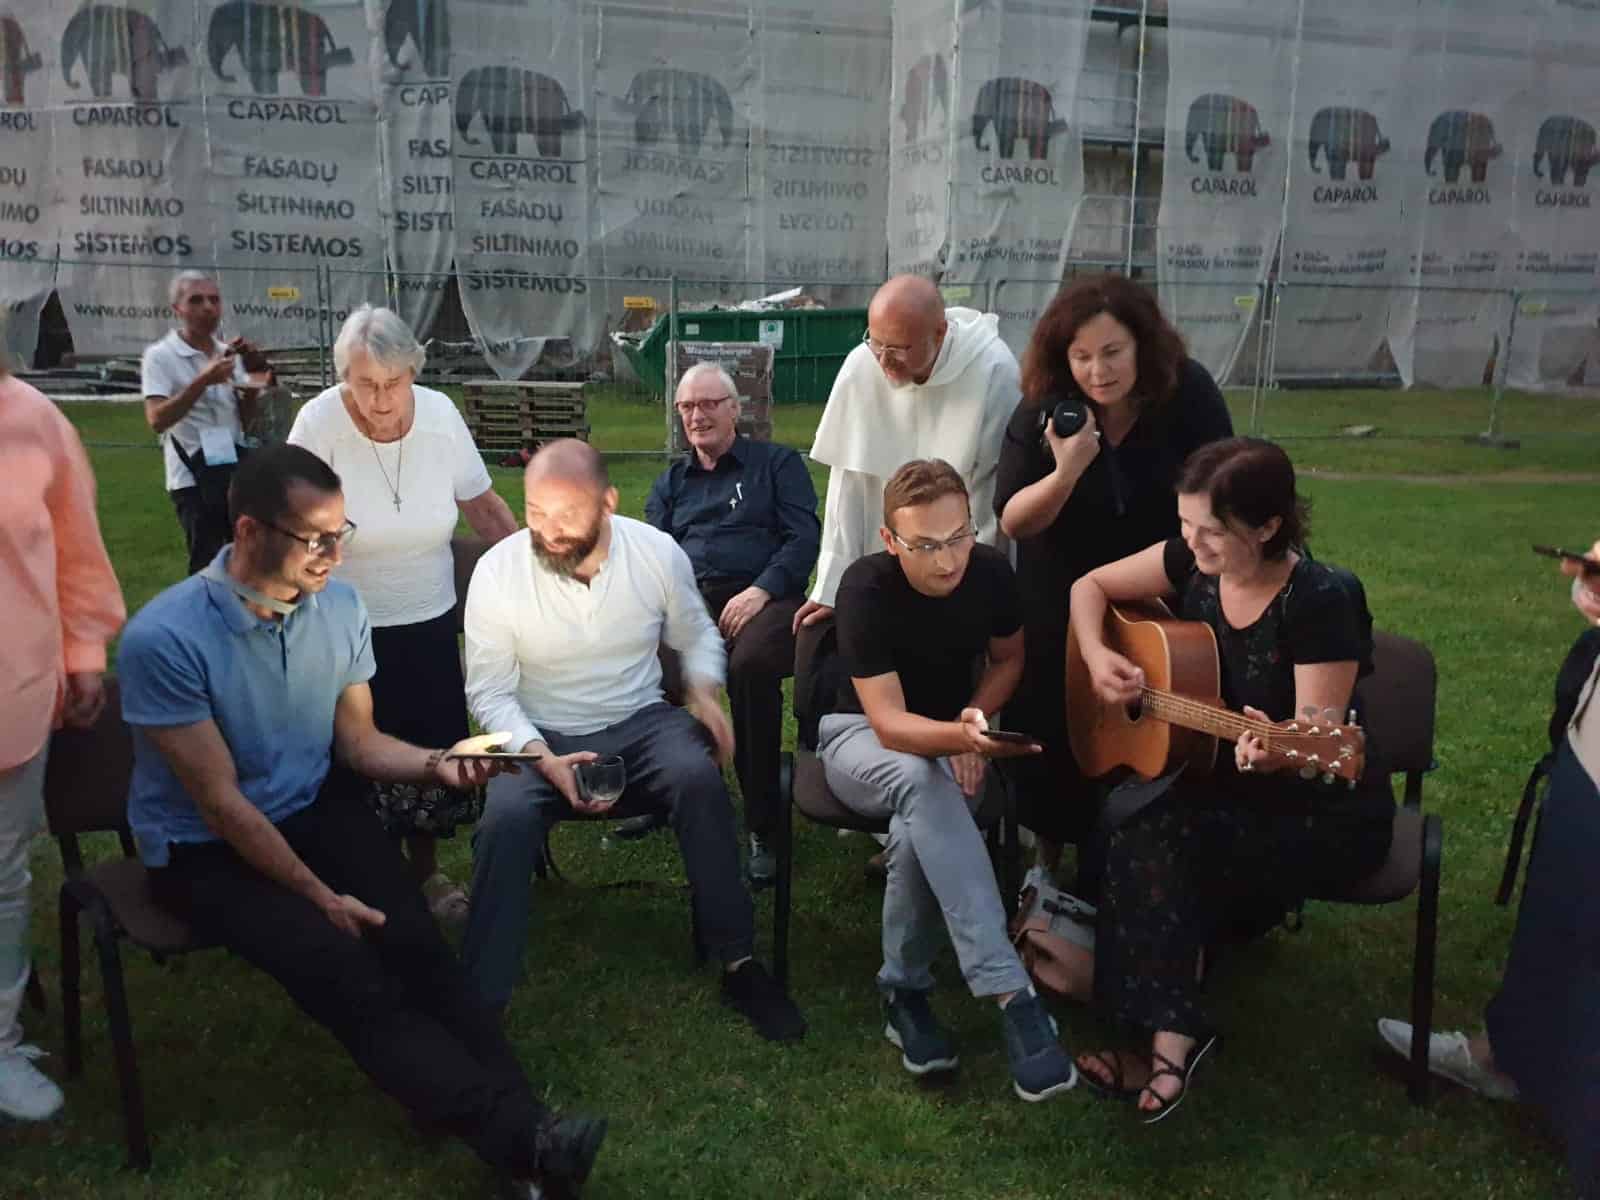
{"points": [[1247, 765]]}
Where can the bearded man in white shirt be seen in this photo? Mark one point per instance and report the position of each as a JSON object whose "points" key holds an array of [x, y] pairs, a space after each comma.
{"points": [[563, 624], [927, 382]]}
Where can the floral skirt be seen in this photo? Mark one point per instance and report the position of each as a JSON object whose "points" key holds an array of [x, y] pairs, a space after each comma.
{"points": [[419, 696]]}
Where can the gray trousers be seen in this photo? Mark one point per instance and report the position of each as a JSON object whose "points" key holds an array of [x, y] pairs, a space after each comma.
{"points": [[669, 765], [21, 819], [938, 866]]}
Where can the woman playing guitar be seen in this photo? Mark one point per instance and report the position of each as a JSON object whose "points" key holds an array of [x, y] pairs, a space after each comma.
{"points": [[1225, 846]]}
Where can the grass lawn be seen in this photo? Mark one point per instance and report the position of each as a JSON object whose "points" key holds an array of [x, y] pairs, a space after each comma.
{"points": [[246, 1099]]}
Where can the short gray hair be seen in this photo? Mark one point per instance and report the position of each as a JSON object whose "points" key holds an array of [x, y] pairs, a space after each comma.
{"points": [[182, 281], [706, 368], [382, 336]]}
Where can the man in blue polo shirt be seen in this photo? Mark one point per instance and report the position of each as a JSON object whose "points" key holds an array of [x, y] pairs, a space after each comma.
{"points": [[241, 684], [745, 512]]}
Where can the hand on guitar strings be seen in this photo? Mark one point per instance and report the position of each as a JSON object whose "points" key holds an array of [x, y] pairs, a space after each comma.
{"points": [[1250, 752], [1116, 680], [974, 727]]}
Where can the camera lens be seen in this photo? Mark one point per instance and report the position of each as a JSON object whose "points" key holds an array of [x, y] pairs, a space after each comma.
{"points": [[1069, 417]]}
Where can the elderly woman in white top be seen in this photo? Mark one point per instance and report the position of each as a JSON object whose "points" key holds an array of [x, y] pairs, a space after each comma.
{"points": [[408, 466]]}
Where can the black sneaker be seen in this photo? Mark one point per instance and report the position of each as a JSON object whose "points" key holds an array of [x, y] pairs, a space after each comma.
{"points": [[759, 999], [1040, 1068], [912, 1028], [638, 827], [564, 1153]]}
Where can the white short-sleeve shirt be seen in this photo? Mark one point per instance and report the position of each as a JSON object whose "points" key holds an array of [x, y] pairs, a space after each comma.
{"points": [[399, 561], [168, 367]]}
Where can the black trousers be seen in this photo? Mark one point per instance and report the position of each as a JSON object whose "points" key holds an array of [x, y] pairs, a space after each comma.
{"points": [[760, 658], [206, 528], [396, 998]]}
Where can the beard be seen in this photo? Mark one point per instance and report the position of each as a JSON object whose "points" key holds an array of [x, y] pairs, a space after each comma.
{"points": [[565, 561]]}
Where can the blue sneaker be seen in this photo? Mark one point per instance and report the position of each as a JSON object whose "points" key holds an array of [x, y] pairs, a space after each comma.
{"points": [[912, 1029], [1040, 1068]]}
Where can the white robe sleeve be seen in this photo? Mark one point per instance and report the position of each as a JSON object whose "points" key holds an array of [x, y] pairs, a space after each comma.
{"points": [[851, 515]]}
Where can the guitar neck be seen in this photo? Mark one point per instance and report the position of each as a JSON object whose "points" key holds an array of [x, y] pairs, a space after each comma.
{"points": [[1200, 716]]}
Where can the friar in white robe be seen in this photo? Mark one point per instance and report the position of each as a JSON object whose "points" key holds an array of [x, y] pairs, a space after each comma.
{"points": [[931, 382]]}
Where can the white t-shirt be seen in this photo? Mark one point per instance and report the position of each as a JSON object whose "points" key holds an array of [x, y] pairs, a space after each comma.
{"points": [[168, 367], [399, 561]]}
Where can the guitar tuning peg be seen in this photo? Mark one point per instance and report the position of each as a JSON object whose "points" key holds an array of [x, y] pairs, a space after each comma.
{"points": [[1314, 760], [1291, 754], [1292, 727], [1308, 772], [1351, 719], [1313, 730], [1329, 777]]}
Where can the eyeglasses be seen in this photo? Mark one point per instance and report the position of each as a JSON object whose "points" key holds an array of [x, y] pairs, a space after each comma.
{"points": [[930, 548], [688, 407], [322, 545], [880, 351]]}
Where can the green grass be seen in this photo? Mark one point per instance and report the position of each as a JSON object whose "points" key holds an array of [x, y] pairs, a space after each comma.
{"points": [[246, 1099]]}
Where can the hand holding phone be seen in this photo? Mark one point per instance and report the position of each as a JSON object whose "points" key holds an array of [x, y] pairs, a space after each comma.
{"points": [[1589, 566], [1011, 735]]}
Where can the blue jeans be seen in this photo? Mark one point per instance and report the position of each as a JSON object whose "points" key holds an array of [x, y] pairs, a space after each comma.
{"points": [[939, 871], [670, 769]]}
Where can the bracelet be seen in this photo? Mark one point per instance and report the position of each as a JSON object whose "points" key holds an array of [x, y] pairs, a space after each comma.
{"points": [[433, 762]]}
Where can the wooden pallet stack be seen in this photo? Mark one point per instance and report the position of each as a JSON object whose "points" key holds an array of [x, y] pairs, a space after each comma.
{"points": [[516, 414]]}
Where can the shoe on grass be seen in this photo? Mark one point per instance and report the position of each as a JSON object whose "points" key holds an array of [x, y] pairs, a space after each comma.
{"points": [[1040, 1068], [761, 867], [447, 899], [912, 1029], [758, 998], [1450, 1057], [26, 1093], [638, 827]]}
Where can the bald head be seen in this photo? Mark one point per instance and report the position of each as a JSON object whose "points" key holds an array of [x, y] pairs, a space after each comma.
{"points": [[906, 328], [569, 461]]}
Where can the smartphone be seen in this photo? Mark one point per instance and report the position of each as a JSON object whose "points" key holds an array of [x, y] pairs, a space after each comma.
{"points": [[496, 756], [1010, 735], [1591, 566]]}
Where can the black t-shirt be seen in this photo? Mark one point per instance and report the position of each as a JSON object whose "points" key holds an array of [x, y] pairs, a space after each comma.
{"points": [[1318, 616], [931, 642], [1116, 508]]}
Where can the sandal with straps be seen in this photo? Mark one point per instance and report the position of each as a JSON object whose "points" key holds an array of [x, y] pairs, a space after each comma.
{"points": [[1117, 1089], [1183, 1073]]}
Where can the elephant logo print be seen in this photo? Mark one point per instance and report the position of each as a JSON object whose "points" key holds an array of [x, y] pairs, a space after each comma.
{"points": [[927, 85], [114, 41], [16, 60], [684, 101], [1461, 139], [1344, 136], [1016, 108], [1567, 144], [1224, 125], [270, 38], [515, 101], [428, 27]]}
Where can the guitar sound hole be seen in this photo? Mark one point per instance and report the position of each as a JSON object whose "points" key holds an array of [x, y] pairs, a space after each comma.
{"points": [[1134, 709]]}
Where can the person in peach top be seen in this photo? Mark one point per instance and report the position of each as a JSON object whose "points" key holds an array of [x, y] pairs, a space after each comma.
{"points": [[62, 606]]}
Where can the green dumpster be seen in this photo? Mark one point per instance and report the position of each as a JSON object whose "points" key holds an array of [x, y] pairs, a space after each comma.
{"points": [[813, 346]]}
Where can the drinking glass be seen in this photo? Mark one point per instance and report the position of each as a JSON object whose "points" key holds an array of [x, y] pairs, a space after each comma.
{"points": [[601, 782]]}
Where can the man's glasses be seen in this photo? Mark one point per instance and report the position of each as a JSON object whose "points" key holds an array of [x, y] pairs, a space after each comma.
{"points": [[323, 545], [930, 548], [688, 407], [881, 351]]}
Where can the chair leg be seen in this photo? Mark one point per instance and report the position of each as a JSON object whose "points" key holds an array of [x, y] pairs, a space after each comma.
{"points": [[35, 991], [1427, 945], [122, 1044], [71, 996], [783, 848]]}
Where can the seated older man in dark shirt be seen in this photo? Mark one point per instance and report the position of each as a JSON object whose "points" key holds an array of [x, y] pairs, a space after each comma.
{"points": [[746, 514]]}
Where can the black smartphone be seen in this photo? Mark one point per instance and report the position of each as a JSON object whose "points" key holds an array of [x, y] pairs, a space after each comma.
{"points": [[1011, 735], [1591, 566], [495, 756]]}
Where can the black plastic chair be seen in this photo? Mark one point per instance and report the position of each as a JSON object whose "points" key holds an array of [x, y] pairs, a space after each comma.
{"points": [[86, 791], [1399, 698]]}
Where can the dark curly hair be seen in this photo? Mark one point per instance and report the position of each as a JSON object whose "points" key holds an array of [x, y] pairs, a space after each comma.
{"points": [[1046, 372], [1249, 481]]}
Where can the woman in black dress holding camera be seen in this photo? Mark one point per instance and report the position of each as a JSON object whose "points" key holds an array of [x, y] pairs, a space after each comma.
{"points": [[1075, 503]]}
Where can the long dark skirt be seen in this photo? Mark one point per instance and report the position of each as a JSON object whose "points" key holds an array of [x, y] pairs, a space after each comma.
{"points": [[1206, 861], [1544, 1023], [419, 696]]}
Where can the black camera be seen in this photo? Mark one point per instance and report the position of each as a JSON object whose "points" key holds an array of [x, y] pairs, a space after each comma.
{"points": [[1067, 415]]}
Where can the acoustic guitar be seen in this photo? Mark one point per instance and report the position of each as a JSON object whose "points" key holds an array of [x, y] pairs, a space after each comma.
{"points": [[1178, 716]]}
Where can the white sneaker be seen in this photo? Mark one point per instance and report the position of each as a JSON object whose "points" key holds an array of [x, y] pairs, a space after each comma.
{"points": [[25, 1093], [1449, 1058]]}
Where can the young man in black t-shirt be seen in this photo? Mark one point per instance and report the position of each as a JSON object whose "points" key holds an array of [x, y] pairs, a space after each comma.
{"points": [[907, 741]]}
